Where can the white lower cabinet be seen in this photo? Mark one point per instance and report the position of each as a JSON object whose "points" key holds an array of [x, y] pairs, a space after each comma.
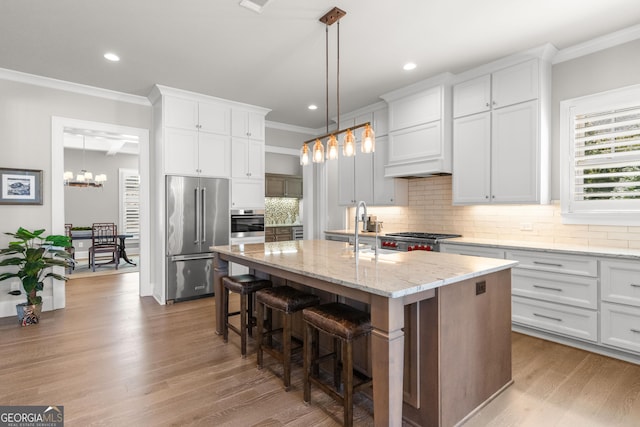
{"points": [[620, 287], [555, 292], [585, 300], [621, 326], [557, 318], [556, 288]]}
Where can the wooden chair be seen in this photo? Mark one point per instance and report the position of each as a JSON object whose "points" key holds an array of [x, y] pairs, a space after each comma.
{"points": [[104, 240], [71, 249]]}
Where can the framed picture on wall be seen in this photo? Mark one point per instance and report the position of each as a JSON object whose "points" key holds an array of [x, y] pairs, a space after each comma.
{"points": [[20, 187]]}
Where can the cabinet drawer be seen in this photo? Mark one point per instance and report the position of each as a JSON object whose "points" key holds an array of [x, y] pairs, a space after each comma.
{"points": [[555, 262], [473, 251], [572, 321], [620, 281], [578, 291], [621, 326]]}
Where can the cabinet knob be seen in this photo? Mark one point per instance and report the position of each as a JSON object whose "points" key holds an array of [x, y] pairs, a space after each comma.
{"points": [[487, 104], [494, 102], [486, 197]]}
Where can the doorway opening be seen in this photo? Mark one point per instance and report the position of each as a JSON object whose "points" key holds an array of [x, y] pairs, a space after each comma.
{"points": [[70, 130]]}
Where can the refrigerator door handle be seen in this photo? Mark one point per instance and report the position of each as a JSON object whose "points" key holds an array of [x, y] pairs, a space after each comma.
{"points": [[197, 219], [203, 217], [178, 258]]}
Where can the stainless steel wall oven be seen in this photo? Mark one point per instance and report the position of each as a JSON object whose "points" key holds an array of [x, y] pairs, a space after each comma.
{"points": [[247, 223]]}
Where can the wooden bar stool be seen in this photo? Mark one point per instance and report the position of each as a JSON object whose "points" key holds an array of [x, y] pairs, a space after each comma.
{"points": [[345, 324], [288, 301], [245, 285]]}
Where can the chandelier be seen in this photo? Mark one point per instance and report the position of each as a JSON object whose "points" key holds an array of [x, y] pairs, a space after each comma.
{"points": [[368, 142], [84, 178]]}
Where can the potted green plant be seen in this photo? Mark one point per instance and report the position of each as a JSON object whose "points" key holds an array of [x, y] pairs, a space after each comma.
{"points": [[35, 256]]}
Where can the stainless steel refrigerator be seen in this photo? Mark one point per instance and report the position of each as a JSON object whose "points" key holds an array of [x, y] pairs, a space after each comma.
{"points": [[197, 217]]}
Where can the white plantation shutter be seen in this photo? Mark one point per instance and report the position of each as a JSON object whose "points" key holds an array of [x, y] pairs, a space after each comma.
{"points": [[603, 167], [129, 202]]}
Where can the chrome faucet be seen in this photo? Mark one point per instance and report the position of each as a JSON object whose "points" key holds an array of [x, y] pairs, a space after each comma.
{"points": [[364, 218]]}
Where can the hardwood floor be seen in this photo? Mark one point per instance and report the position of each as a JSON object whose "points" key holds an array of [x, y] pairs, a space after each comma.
{"points": [[112, 358]]}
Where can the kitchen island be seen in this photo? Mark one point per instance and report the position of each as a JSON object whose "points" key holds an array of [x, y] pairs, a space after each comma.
{"points": [[441, 340]]}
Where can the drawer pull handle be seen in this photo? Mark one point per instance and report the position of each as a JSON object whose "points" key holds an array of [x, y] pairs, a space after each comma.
{"points": [[635, 331], [557, 319], [548, 288], [547, 263], [634, 285]]}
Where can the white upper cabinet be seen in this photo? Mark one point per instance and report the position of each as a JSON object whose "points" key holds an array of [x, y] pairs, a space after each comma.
{"points": [[472, 96], [355, 175], [502, 88], [387, 191], [180, 113], [214, 118], [189, 114], [515, 84], [196, 137], [501, 135], [471, 179], [362, 177], [247, 159], [247, 124], [420, 129]]}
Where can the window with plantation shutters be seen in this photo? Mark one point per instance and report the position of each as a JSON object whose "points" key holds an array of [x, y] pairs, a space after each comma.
{"points": [[129, 202], [600, 135]]}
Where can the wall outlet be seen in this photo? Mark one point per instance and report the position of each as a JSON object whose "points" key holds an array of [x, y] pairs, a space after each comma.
{"points": [[80, 244], [526, 226], [481, 287]]}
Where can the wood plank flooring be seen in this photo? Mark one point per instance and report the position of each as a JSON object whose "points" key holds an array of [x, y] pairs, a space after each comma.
{"points": [[112, 358]]}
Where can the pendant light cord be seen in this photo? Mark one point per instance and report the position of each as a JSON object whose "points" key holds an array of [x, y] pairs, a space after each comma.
{"points": [[338, 74], [326, 58]]}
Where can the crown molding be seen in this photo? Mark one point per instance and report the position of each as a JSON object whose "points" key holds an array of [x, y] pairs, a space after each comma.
{"points": [[291, 128], [48, 82], [281, 150], [599, 43]]}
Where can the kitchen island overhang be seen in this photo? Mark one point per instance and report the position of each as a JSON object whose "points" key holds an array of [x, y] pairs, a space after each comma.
{"points": [[436, 291]]}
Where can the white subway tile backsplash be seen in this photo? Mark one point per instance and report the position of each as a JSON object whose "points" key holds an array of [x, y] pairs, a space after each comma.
{"points": [[430, 209]]}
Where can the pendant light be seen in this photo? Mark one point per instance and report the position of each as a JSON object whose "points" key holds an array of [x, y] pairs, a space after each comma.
{"points": [[349, 143], [84, 178]]}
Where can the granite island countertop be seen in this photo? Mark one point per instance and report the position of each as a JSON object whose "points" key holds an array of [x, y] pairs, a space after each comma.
{"points": [[391, 275]]}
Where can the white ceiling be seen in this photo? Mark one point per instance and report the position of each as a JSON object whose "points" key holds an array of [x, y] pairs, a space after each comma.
{"points": [[276, 59]]}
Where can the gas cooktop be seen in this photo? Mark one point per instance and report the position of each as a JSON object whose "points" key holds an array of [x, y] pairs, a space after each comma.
{"points": [[426, 236], [414, 241]]}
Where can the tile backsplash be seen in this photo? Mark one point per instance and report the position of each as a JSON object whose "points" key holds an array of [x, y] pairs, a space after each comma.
{"points": [[282, 210], [430, 210]]}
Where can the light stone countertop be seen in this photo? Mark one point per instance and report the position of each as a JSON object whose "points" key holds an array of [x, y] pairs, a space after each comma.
{"points": [[391, 275], [604, 251], [548, 247]]}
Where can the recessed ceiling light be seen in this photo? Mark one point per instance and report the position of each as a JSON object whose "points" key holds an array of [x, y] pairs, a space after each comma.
{"points": [[111, 57], [312, 107], [409, 66], [255, 5]]}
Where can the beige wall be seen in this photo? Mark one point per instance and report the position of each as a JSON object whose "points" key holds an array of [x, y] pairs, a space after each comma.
{"points": [[607, 69], [85, 205], [25, 137]]}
